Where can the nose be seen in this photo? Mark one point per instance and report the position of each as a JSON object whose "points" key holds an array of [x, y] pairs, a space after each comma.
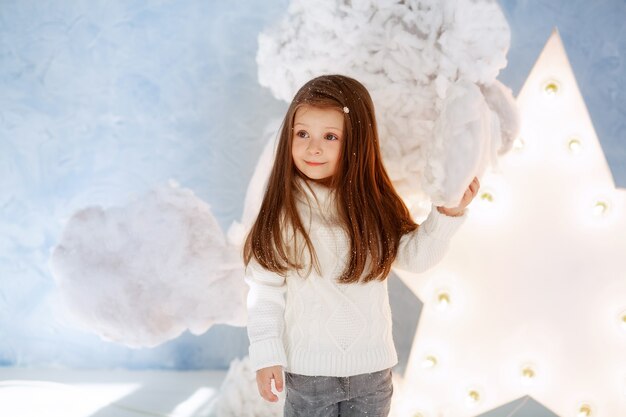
{"points": [[314, 147]]}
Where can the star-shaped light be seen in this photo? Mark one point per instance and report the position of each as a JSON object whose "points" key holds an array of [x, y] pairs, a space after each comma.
{"points": [[531, 297]]}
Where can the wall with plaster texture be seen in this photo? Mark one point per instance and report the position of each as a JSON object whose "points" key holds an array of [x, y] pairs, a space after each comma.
{"points": [[101, 100]]}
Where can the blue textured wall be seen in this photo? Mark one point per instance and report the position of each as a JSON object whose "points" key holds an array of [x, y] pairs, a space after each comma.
{"points": [[100, 100]]}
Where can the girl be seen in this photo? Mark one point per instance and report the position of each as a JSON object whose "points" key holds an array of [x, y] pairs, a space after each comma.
{"points": [[329, 196]]}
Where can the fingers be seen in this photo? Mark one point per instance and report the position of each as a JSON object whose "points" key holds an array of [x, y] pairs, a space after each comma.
{"points": [[278, 381], [264, 384], [471, 191], [265, 389], [474, 186]]}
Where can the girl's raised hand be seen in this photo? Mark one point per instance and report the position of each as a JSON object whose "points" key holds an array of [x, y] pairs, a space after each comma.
{"points": [[468, 196], [264, 378]]}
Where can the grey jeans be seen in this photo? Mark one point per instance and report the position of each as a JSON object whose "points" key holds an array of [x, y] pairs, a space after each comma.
{"points": [[327, 396]]}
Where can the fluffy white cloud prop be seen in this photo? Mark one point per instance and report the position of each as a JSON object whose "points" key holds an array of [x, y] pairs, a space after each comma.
{"points": [[144, 273], [427, 65]]}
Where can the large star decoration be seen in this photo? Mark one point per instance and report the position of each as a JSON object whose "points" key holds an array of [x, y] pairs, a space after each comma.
{"points": [[531, 297]]}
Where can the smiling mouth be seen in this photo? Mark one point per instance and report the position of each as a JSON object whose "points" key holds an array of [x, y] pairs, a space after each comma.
{"points": [[315, 163]]}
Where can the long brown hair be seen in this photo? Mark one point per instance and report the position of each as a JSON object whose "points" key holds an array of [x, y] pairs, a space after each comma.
{"points": [[370, 211]]}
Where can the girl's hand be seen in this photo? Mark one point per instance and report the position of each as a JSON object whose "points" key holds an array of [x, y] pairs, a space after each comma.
{"points": [[468, 196], [264, 378]]}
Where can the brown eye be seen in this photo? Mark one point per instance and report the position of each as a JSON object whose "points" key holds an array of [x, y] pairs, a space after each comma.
{"points": [[332, 137], [301, 134]]}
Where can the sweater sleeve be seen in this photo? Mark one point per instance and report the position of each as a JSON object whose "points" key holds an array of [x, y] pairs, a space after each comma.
{"points": [[424, 247], [266, 306]]}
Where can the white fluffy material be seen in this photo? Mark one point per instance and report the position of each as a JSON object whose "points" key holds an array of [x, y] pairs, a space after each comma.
{"points": [[144, 273], [470, 129], [409, 55], [500, 99], [239, 395], [256, 188]]}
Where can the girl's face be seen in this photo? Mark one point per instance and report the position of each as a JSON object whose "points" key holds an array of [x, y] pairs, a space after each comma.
{"points": [[317, 140]]}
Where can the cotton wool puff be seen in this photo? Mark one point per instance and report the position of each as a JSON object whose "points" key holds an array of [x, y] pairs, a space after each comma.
{"points": [[141, 274], [239, 395], [413, 57]]}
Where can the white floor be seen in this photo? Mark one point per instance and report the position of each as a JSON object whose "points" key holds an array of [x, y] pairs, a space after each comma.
{"points": [[113, 393]]}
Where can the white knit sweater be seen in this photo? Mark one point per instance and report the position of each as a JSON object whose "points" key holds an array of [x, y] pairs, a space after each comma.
{"points": [[316, 326]]}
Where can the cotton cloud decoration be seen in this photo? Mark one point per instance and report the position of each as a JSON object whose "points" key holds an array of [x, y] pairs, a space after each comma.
{"points": [[144, 273], [431, 68]]}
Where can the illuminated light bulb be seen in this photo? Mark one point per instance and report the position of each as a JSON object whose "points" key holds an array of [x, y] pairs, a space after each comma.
{"points": [[584, 411], [443, 300], [429, 362], [518, 144], [574, 145], [528, 373], [551, 88], [486, 196], [473, 396], [600, 208]]}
